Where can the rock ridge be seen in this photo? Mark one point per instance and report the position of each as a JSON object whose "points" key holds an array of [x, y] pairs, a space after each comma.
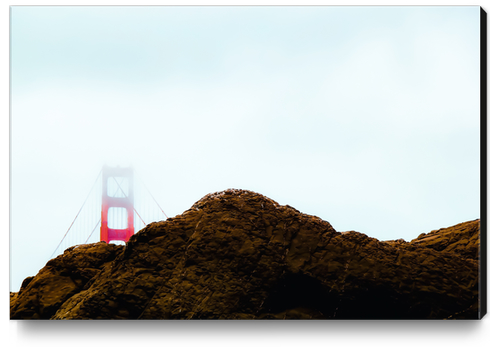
{"points": [[237, 254]]}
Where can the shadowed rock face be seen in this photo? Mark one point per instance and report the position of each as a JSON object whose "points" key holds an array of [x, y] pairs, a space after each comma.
{"points": [[239, 255]]}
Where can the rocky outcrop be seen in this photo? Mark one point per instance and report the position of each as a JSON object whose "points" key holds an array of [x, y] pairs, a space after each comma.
{"points": [[42, 295], [462, 239], [239, 255]]}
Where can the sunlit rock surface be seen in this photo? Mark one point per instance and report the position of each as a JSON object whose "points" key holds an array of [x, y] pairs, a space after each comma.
{"points": [[239, 255], [42, 295]]}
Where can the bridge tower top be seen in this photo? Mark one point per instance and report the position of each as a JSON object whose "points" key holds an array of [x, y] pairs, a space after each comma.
{"points": [[117, 215]]}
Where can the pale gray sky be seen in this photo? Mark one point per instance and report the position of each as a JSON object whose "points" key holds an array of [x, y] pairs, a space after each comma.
{"points": [[367, 117]]}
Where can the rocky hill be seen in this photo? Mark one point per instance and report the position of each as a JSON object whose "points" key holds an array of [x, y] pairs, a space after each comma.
{"points": [[239, 255]]}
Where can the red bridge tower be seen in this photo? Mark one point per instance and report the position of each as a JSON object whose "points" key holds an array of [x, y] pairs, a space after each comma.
{"points": [[117, 221]]}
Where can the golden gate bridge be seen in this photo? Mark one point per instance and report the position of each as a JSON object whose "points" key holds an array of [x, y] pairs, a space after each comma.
{"points": [[118, 205]]}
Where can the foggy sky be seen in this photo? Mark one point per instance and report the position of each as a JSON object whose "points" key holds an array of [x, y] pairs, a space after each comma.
{"points": [[367, 117]]}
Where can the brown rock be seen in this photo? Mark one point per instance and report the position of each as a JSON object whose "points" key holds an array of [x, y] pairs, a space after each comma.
{"points": [[239, 255], [41, 296], [462, 239]]}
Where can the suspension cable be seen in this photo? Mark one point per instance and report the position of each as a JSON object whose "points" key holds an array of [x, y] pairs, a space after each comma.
{"points": [[77, 214], [96, 225], [144, 185]]}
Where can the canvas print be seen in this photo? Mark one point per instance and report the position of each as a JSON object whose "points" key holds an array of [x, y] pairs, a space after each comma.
{"points": [[247, 163]]}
